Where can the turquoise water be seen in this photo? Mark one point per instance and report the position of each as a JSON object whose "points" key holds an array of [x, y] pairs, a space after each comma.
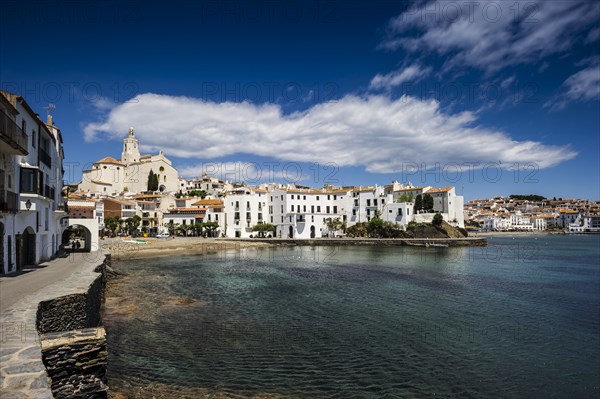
{"points": [[517, 319]]}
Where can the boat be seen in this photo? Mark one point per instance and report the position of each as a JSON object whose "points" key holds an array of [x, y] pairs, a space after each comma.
{"points": [[437, 245]]}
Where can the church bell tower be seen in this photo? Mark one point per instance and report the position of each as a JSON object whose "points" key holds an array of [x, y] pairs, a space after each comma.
{"points": [[131, 151]]}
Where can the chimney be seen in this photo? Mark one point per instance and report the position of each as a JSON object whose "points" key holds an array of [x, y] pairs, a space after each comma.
{"points": [[50, 120]]}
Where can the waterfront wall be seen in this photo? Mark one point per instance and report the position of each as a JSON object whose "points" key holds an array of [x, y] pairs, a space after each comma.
{"points": [[451, 242], [73, 342]]}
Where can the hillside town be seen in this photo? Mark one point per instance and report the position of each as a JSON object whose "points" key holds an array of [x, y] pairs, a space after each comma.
{"points": [[147, 189], [144, 195], [533, 213]]}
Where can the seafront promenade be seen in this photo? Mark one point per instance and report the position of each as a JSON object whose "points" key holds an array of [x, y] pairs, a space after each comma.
{"points": [[22, 373]]}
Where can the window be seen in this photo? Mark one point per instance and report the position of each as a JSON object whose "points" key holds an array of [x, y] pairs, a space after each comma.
{"points": [[29, 180], [305, 197], [328, 197], [304, 210], [292, 208], [24, 126], [33, 140], [375, 202], [334, 209], [292, 196], [368, 202], [312, 209], [317, 197], [281, 208], [327, 209], [318, 209]]}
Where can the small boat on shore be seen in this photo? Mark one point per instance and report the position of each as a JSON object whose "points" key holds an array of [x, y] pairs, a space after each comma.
{"points": [[436, 245]]}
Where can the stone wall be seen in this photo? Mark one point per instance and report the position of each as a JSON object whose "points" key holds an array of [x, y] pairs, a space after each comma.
{"points": [[73, 341], [76, 363]]}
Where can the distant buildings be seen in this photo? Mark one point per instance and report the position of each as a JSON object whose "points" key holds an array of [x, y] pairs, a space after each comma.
{"points": [[508, 214], [32, 211]]}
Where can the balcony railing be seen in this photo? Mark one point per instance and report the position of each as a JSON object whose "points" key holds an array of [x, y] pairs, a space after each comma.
{"points": [[9, 202], [45, 158], [12, 134]]}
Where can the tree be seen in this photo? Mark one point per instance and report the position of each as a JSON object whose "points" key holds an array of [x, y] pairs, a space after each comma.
{"points": [[334, 224], [418, 202], [357, 230], [152, 181], [263, 228], [437, 219], [112, 223], [210, 227], [172, 227], [374, 227], [406, 197], [132, 223], [428, 202]]}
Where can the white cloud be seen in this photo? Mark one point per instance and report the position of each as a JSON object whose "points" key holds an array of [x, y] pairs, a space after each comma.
{"points": [[491, 35], [583, 85], [411, 74], [375, 131], [253, 172]]}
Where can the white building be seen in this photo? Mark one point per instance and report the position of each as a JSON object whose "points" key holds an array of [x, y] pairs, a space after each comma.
{"points": [[110, 176], [32, 215], [244, 208], [303, 213]]}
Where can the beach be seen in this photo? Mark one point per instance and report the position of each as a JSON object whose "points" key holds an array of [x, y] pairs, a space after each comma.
{"points": [[127, 248]]}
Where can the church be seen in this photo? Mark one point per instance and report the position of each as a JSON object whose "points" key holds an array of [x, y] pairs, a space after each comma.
{"points": [[128, 175]]}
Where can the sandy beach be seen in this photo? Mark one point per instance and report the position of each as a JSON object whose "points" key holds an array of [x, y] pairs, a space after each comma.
{"points": [[124, 248]]}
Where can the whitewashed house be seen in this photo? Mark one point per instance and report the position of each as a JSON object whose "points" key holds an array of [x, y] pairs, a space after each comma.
{"points": [[32, 212]]}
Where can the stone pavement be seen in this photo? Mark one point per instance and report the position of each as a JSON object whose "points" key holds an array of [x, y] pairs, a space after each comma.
{"points": [[22, 373]]}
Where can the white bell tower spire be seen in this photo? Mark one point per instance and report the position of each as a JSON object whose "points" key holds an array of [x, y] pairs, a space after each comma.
{"points": [[131, 151]]}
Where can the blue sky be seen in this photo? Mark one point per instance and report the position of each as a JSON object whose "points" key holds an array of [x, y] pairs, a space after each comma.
{"points": [[495, 98]]}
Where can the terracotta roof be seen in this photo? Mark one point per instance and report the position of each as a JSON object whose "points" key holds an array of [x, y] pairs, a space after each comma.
{"points": [[440, 190], [175, 210], [209, 202], [110, 160], [569, 211], [121, 201]]}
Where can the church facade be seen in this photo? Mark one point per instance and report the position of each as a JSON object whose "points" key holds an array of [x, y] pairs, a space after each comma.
{"points": [[110, 176]]}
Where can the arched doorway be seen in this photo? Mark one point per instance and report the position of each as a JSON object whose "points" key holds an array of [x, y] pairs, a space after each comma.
{"points": [[26, 248], [77, 234], [291, 232], [312, 231]]}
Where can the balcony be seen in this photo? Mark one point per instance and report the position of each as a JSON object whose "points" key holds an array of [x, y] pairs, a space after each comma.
{"points": [[45, 158], [9, 202], [12, 138]]}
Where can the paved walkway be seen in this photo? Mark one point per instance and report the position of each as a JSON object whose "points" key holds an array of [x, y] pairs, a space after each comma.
{"points": [[22, 373]]}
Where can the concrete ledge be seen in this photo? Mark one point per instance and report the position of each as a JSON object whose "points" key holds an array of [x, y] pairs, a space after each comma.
{"points": [[451, 242]]}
